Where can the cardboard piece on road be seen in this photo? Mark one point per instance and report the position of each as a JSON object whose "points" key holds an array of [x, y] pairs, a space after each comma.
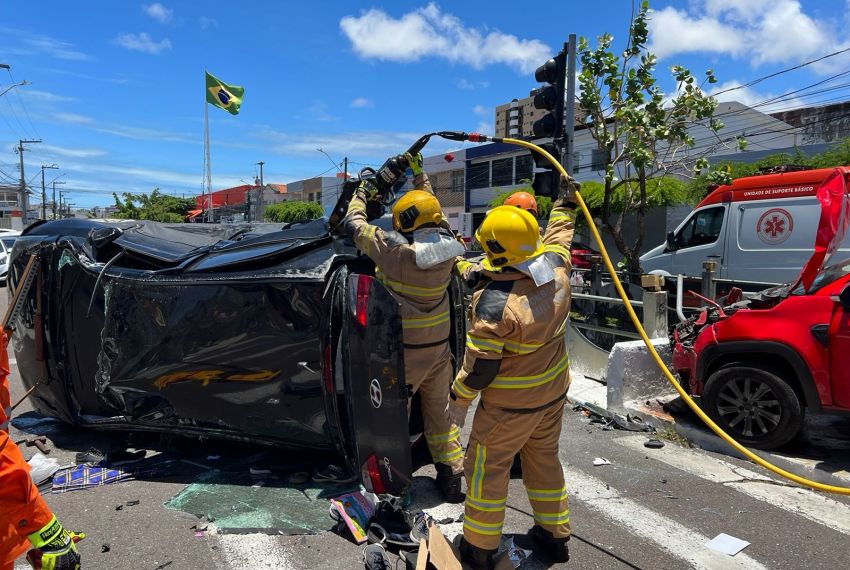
{"points": [[439, 554], [422, 557]]}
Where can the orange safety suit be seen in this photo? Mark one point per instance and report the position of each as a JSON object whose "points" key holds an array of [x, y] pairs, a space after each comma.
{"points": [[426, 323], [516, 359], [22, 510]]}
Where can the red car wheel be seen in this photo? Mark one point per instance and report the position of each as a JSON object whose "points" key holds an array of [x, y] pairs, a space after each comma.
{"points": [[755, 406]]}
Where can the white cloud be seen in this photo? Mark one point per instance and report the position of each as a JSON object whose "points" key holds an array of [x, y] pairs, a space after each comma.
{"points": [[47, 97], [72, 152], [142, 42], [29, 43], [159, 12], [463, 83], [428, 32], [73, 118], [481, 110], [764, 102], [760, 31], [484, 128], [206, 22], [361, 103]]}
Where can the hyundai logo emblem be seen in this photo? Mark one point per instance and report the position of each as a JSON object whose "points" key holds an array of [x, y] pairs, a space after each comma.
{"points": [[375, 393]]}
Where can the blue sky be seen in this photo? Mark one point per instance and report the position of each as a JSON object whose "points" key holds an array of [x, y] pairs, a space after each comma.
{"points": [[117, 88]]}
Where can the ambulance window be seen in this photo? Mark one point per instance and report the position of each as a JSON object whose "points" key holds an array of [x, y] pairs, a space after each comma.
{"points": [[703, 228]]}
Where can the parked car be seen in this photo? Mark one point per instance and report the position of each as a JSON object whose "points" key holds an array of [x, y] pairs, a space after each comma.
{"points": [[761, 364], [7, 241], [759, 228], [261, 333], [582, 255]]}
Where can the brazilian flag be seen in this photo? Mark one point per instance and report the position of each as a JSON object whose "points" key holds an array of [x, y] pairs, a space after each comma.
{"points": [[224, 96]]}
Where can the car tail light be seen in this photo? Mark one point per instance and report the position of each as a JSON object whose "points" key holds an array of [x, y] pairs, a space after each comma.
{"points": [[361, 304], [371, 476], [327, 372]]}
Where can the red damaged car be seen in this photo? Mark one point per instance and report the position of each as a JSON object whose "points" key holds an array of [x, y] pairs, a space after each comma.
{"points": [[760, 364]]}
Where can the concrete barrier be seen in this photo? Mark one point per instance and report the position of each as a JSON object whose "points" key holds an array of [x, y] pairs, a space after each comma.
{"points": [[585, 357], [633, 374]]}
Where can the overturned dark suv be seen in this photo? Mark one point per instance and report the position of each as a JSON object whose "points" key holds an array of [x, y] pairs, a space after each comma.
{"points": [[257, 332]]}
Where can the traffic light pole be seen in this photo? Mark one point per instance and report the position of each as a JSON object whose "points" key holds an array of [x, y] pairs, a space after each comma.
{"points": [[567, 157]]}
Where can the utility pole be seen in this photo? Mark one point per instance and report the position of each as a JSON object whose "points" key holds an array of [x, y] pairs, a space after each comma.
{"points": [[345, 169], [53, 203], [260, 164], [44, 191], [567, 156], [61, 205], [23, 184]]}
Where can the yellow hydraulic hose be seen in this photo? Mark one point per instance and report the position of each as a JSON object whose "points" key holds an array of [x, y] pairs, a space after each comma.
{"points": [[669, 375]]}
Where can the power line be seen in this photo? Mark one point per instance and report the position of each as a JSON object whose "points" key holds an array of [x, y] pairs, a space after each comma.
{"points": [[777, 73]]}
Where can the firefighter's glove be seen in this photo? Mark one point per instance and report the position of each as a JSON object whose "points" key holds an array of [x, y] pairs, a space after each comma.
{"points": [[415, 162], [567, 192], [55, 548], [456, 413], [367, 192]]}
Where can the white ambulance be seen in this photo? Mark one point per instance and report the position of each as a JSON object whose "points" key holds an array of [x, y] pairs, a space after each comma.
{"points": [[759, 228]]}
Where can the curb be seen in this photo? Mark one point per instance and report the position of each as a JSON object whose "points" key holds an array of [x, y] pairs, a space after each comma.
{"points": [[703, 438]]}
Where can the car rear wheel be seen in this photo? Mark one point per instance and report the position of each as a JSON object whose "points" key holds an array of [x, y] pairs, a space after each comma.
{"points": [[754, 406]]}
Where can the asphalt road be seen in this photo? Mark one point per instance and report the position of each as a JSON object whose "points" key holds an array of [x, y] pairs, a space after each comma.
{"points": [[648, 509]]}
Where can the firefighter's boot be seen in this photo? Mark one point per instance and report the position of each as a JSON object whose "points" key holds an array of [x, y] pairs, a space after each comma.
{"points": [[555, 548], [449, 483], [476, 558]]}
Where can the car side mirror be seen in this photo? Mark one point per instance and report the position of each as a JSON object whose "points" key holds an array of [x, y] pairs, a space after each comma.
{"points": [[844, 297], [671, 241]]}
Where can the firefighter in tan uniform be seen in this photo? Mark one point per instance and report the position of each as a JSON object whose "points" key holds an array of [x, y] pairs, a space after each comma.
{"points": [[516, 359], [415, 263]]}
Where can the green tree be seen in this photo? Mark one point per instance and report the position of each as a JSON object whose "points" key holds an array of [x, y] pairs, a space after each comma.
{"points": [[287, 212], [156, 206], [643, 138], [544, 203]]}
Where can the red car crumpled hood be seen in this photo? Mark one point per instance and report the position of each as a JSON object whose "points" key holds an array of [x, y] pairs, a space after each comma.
{"points": [[832, 227]]}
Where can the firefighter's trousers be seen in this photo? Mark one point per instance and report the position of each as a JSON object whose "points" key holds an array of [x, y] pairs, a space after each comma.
{"points": [[497, 435], [429, 372]]}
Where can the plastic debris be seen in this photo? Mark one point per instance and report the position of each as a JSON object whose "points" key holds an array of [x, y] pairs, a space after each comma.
{"points": [[133, 503], [42, 468], [727, 544], [600, 461], [653, 443], [105, 547], [515, 554]]}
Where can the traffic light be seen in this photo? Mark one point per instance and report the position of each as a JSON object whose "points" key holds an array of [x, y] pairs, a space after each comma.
{"points": [[546, 177], [551, 97]]}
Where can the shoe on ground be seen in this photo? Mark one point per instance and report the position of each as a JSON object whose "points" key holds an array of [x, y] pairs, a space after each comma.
{"points": [[449, 484], [410, 557], [333, 474], [476, 558], [557, 549], [375, 557]]}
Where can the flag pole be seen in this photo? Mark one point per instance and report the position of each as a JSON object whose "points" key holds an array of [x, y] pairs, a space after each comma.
{"points": [[207, 166]]}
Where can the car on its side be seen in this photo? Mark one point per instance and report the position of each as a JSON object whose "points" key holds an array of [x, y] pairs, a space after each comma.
{"points": [[271, 334]]}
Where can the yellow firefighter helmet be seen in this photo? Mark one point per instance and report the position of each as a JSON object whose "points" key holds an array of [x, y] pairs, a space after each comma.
{"points": [[414, 210], [509, 235]]}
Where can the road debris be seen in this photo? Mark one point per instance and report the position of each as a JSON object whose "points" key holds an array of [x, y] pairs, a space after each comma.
{"points": [[727, 544], [653, 443], [42, 468], [600, 461], [611, 421]]}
